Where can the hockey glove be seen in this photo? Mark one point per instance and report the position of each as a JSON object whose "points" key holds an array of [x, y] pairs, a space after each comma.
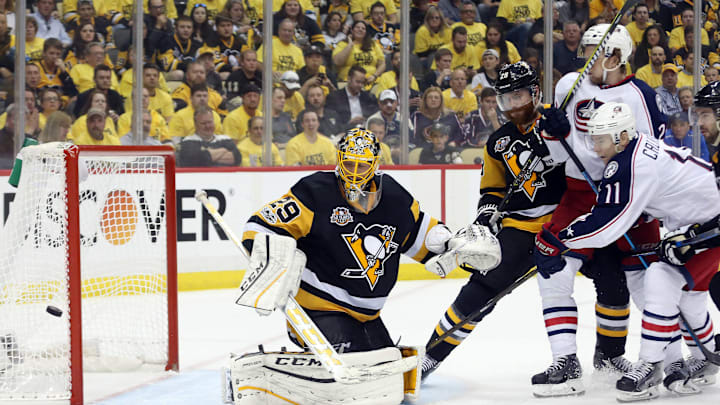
{"points": [[472, 248], [670, 253], [485, 215], [548, 252], [553, 122]]}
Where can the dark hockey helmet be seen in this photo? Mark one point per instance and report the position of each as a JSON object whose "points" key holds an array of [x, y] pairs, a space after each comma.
{"points": [[706, 110], [518, 88]]}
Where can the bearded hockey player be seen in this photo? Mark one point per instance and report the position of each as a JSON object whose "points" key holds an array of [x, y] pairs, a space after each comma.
{"points": [[531, 205], [644, 175], [706, 111], [352, 225], [607, 81]]}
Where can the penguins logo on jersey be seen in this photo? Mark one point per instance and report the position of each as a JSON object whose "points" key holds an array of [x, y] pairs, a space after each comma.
{"points": [[584, 109], [515, 157], [370, 247]]}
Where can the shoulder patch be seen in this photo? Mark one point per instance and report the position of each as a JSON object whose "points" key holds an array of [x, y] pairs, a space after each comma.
{"points": [[611, 169], [502, 143], [341, 216]]}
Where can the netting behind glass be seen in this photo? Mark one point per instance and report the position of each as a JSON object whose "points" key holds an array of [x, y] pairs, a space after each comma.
{"points": [[123, 262]]}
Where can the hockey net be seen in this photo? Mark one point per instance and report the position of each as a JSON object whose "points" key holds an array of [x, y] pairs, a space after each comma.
{"points": [[90, 232]]}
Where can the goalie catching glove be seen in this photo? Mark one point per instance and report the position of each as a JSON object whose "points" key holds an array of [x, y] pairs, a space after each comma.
{"points": [[273, 273], [473, 248]]}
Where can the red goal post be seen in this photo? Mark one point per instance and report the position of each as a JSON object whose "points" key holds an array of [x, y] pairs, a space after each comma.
{"points": [[92, 233]]}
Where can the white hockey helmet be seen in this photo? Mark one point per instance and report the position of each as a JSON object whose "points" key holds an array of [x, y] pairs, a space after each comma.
{"points": [[611, 118], [619, 39]]}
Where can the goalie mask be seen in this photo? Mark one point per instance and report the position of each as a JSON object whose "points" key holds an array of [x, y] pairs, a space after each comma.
{"points": [[705, 111], [519, 94], [605, 128], [358, 154]]}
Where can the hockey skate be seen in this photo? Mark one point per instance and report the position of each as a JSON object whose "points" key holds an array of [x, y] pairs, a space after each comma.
{"points": [[429, 365], [702, 372], [618, 364], [677, 379], [641, 383], [562, 378]]}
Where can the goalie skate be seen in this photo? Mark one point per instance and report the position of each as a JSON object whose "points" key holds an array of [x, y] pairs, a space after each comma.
{"points": [[562, 378], [641, 383]]}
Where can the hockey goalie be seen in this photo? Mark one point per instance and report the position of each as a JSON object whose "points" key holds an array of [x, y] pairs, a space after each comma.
{"points": [[327, 253]]}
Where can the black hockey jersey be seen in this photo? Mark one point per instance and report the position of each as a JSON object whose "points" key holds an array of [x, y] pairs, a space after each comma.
{"points": [[352, 257], [528, 208]]}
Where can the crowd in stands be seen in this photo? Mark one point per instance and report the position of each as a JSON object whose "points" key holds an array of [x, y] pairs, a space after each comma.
{"points": [[335, 65]]}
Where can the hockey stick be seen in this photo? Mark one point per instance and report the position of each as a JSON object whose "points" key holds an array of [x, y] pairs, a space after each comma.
{"points": [[527, 276], [701, 237], [310, 333]]}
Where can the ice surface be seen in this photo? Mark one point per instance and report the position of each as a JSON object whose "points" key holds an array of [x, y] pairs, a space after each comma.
{"points": [[492, 366]]}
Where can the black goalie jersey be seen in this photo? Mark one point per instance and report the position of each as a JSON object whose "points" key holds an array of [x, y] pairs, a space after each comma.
{"points": [[352, 257], [532, 204]]}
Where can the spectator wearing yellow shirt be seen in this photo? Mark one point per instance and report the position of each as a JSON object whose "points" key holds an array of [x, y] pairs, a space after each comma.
{"points": [[359, 49], [457, 98], [158, 126], [605, 9], [463, 56], [96, 131], [376, 125], [294, 101], [286, 55], [389, 79], [33, 43], [34, 120], [652, 72], [160, 99], [213, 7], [641, 22], [495, 39], [433, 34], [236, 123], [521, 14], [182, 124], [685, 76], [83, 74], [96, 100], [310, 148], [708, 57], [677, 35], [360, 10], [314, 72], [251, 148], [475, 30], [50, 101], [195, 76]]}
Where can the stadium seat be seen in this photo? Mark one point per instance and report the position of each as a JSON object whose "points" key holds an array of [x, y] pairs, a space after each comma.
{"points": [[414, 156], [469, 155]]}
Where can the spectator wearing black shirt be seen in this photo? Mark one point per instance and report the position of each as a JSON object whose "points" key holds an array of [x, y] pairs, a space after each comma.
{"points": [[438, 151], [204, 148], [315, 73], [103, 81], [565, 52], [249, 73], [439, 77], [315, 101]]}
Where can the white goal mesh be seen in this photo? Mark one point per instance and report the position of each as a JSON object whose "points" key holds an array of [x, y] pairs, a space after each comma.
{"points": [[123, 239]]}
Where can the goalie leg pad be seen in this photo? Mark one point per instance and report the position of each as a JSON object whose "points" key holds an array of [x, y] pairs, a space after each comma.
{"points": [[293, 377], [273, 273]]}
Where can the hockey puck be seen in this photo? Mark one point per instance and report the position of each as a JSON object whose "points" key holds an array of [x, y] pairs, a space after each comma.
{"points": [[54, 311]]}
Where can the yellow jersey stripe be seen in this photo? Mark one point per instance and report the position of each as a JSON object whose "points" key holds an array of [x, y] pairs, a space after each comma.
{"points": [[315, 303]]}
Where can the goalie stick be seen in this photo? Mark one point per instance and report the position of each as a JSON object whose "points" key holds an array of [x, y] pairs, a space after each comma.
{"points": [[527, 276], [311, 334]]}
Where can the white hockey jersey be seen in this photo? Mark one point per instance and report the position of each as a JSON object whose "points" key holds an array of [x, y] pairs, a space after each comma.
{"points": [[641, 98], [650, 177]]}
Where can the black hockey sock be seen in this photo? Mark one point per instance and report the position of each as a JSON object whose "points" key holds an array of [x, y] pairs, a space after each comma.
{"points": [[612, 328], [715, 290]]}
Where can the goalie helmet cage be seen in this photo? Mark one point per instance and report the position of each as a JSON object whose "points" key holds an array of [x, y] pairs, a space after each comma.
{"points": [[91, 232]]}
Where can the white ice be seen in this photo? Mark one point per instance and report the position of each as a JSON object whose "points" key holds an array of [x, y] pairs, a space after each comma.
{"points": [[492, 366]]}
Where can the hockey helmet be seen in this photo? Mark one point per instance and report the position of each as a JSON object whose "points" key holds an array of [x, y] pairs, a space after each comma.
{"points": [[358, 153], [518, 92], [706, 110], [619, 39], [607, 123]]}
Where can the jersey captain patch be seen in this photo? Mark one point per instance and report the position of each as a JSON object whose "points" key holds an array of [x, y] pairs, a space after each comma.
{"points": [[341, 216], [515, 157], [370, 247]]}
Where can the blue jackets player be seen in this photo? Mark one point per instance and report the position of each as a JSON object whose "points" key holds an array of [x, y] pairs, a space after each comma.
{"points": [[646, 176]]}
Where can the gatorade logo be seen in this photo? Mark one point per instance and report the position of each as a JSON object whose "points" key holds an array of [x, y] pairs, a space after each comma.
{"points": [[119, 218]]}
